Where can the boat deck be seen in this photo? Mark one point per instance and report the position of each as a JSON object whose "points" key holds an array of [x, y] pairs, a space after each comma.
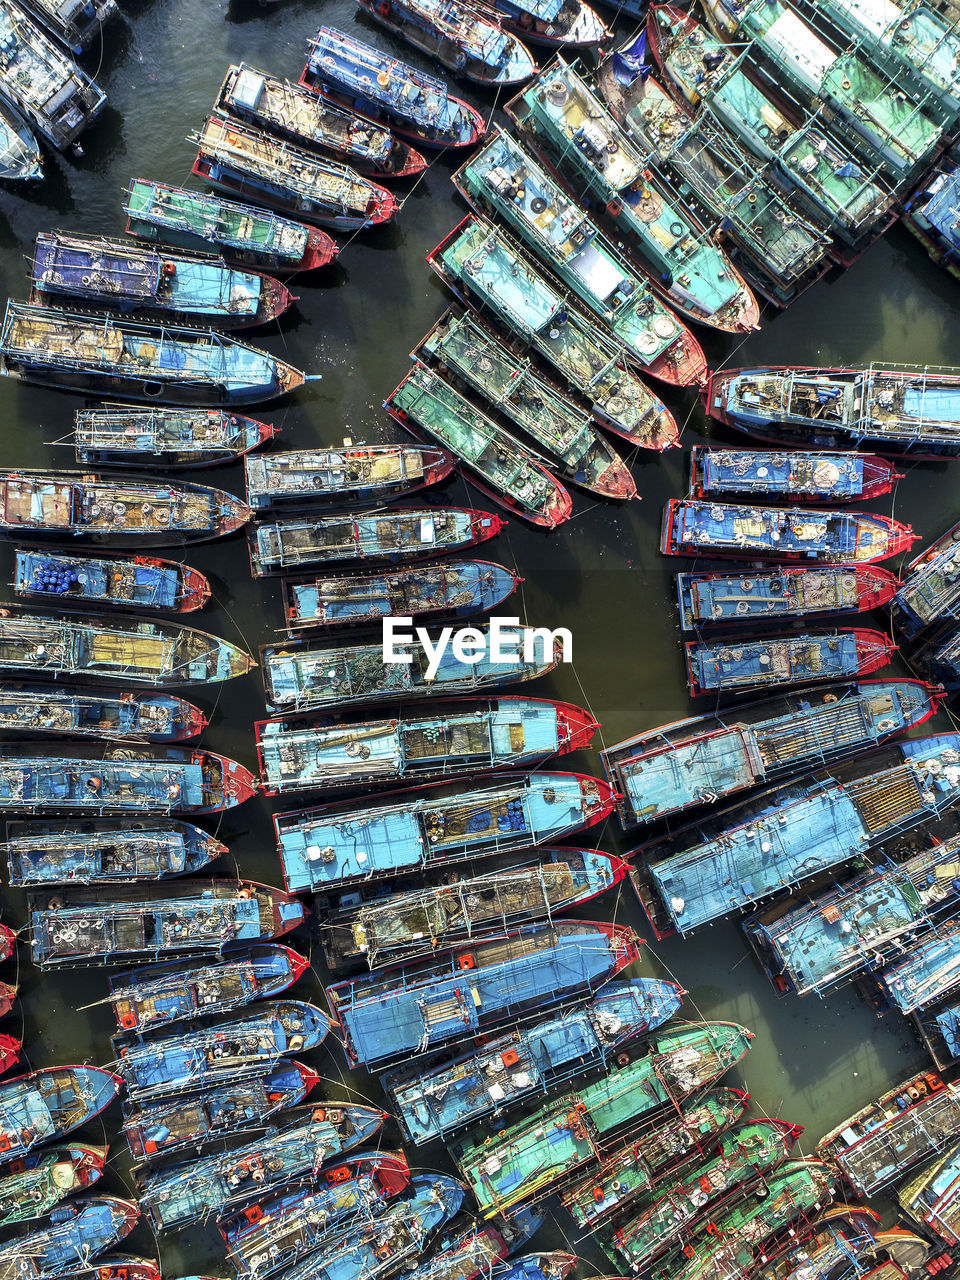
{"points": [[930, 973], [221, 221], [892, 1145], [766, 596], [691, 773]]}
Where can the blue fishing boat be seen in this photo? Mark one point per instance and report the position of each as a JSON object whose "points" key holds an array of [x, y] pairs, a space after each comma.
{"points": [[298, 677], [353, 473], [112, 355], [799, 476], [147, 652], [223, 1052], [927, 975], [437, 1098], [468, 39], [503, 178], [40, 853], [146, 998], [448, 589], [405, 1009], [298, 1222], [381, 927], [939, 1027], [699, 760], [413, 533], [142, 281], [473, 737], [695, 528], [76, 1234], [789, 834], [36, 1183], [56, 96], [161, 1126], [771, 595], [44, 1106], [554, 23], [125, 436], [194, 919], [291, 1151], [930, 590], [344, 70], [19, 154], [767, 661], [334, 845], [895, 409], [127, 582], [470, 1252], [141, 717], [929, 214], [76, 24]]}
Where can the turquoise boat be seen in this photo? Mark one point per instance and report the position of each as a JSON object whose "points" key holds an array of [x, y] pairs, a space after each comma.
{"points": [[488, 270], [930, 591], [46, 1105], [566, 119], [75, 1236], [434, 1099], [503, 178], [338, 844]]}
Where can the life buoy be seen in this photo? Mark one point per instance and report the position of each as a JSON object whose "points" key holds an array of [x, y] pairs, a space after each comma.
{"points": [[319, 1114], [245, 893], [253, 1214], [128, 1021], [383, 8]]}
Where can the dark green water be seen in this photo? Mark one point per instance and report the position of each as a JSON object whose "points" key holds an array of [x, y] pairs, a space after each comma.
{"points": [[812, 1061]]}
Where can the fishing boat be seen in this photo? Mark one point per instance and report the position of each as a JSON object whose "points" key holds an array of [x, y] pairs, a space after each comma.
{"points": [[572, 127], [940, 659], [161, 1127], [340, 843], [798, 476], [781, 660], [488, 270], [409, 1008], [295, 1223], [241, 233], [838, 191], [791, 833], [36, 1183], [76, 1234], [147, 652], [381, 89], [926, 975], [20, 159], [110, 354], [448, 589], [76, 24], [295, 112], [468, 39], [143, 282], [561, 1136], [911, 1122], [124, 436], [196, 918], [676, 1205], [8, 997], [473, 1251], [814, 943], [223, 1052], [410, 533], [248, 163], [147, 998], [928, 214], [930, 590], [41, 853], [472, 737], [695, 528], [364, 473], [44, 1106], [841, 1240], [699, 760], [505, 470], [434, 1099], [466, 350], [732, 192], [770, 595], [930, 1198], [419, 921], [504, 179], [554, 23], [895, 409], [8, 942], [56, 96], [299, 678], [139, 582], [183, 1193], [127, 717]]}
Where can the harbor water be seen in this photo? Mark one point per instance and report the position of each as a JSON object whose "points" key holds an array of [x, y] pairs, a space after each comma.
{"points": [[601, 575]]}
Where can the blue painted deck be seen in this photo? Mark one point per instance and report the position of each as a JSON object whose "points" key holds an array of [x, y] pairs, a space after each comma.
{"points": [[320, 849], [707, 527], [940, 210], [141, 785], [931, 971], [948, 1021], [150, 586], [70, 1242], [931, 591], [691, 773], [779, 660], [765, 596], [823, 475], [51, 1105]]}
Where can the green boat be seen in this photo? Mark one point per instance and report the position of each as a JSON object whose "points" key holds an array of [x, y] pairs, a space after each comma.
{"points": [[486, 268], [566, 120], [503, 468], [742, 1157], [466, 349], [531, 1156]]}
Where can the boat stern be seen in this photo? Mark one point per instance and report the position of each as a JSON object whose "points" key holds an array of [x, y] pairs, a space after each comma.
{"points": [[195, 591], [575, 727]]}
